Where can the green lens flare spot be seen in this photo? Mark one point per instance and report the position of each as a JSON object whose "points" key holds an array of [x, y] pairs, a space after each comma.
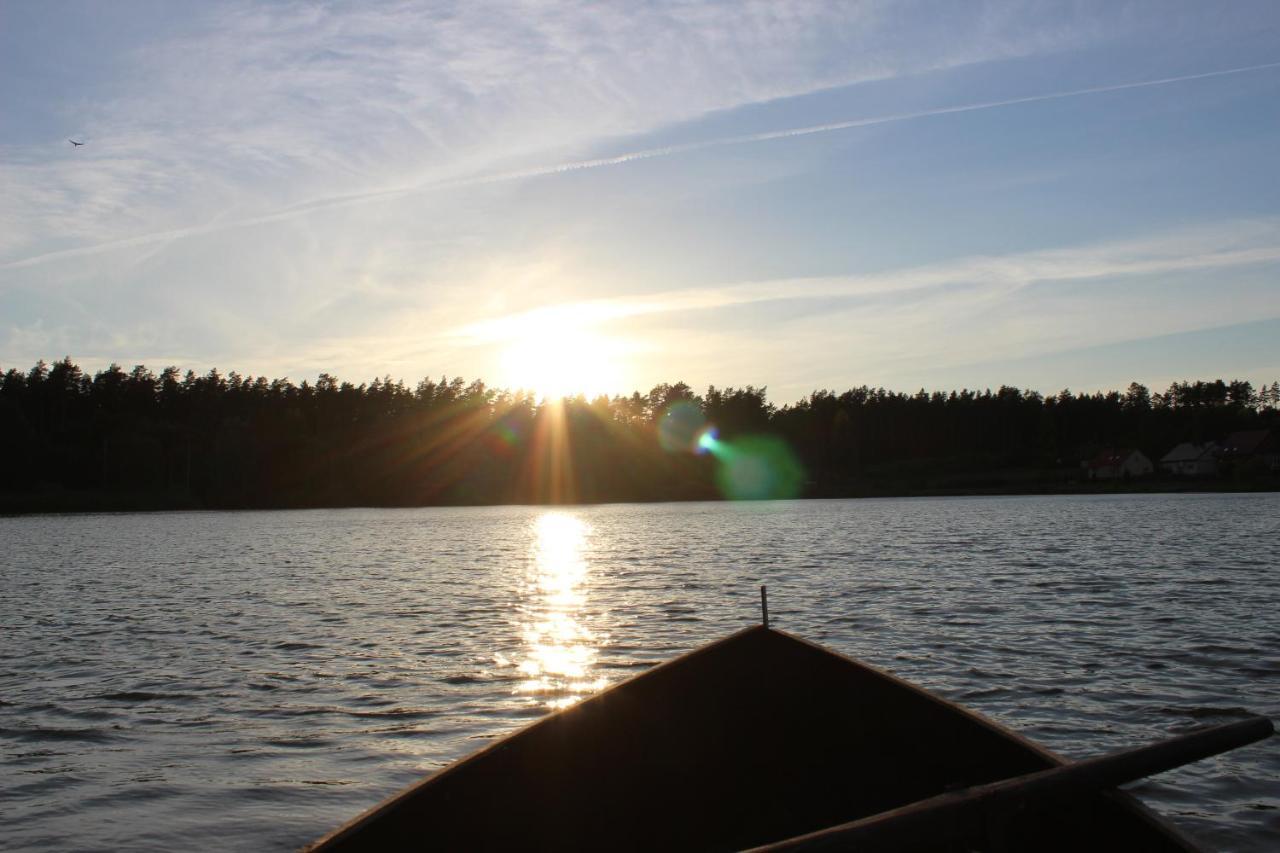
{"points": [[757, 468]]}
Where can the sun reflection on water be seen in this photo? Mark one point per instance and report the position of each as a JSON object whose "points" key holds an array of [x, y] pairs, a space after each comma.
{"points": [[559, 650]]}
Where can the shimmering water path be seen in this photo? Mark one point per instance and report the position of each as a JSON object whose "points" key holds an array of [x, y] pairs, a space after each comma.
{"points": [[249, 680]]}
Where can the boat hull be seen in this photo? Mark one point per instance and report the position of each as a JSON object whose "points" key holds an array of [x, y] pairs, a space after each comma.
{"points": [[750, 740]]}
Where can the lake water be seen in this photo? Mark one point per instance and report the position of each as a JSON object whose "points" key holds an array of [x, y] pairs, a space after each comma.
{"points": [[250, 680]]}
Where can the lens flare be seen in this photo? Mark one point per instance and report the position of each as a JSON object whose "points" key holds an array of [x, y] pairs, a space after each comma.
{"points": [[680, 427], [504, 438], [756, 468], [752, 468]]}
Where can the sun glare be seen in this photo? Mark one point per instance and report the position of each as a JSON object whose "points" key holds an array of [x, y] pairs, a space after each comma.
{"points": [[560, 652], [557, 355]]}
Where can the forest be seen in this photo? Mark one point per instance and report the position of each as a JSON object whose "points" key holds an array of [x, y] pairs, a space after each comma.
{"points": [[140, 440]]}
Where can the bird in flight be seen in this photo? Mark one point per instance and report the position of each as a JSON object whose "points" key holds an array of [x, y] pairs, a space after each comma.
{"points": [[73, 142]]}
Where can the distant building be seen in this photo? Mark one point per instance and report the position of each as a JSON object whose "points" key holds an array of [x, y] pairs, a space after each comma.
{"points": [[1116, 464], [1191, 460], [1251, 447]]}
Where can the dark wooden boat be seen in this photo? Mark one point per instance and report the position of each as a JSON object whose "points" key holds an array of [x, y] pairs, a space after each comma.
{"points": [[747, 741]]}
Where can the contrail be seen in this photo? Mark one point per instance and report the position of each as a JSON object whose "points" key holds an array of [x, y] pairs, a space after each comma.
{"points": [[616, 160]]}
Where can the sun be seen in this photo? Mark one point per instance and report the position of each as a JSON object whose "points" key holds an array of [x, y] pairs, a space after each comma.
{"points": [[555, 355]]}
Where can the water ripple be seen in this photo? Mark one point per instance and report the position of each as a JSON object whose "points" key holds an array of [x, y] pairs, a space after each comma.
{"points": [[246, 680]]}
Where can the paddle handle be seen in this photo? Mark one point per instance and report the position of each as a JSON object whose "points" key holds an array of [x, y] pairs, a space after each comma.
{"points": [[963, 814]]}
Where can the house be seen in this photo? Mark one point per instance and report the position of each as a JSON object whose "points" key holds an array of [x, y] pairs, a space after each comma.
{"points": [[1191, 460], [1250, 448], [1115, 464]]}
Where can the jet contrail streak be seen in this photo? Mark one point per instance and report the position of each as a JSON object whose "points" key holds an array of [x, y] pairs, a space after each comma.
{"points": [[616, 160]]}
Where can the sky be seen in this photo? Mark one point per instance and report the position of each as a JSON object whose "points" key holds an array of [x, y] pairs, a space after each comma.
{"points": [[600, 197]]}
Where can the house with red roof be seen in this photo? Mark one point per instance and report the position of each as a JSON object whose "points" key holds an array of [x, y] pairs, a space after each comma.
{"points": [[1118, 464]]}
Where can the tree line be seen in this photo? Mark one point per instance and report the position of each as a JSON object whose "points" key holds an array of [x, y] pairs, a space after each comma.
{"points": [[137, 439]]}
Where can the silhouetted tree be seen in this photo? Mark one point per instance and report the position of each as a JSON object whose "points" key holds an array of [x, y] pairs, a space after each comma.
{"points": [[240, 440]]}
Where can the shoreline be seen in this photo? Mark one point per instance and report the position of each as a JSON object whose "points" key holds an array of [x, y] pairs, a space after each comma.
{"points": [[85, 503]]}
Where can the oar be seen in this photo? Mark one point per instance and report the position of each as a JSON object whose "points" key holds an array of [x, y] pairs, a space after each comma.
{"points": [[965, 813]]}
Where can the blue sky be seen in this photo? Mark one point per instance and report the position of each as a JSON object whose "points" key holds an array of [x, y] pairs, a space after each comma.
{"points": [[606, 196]]}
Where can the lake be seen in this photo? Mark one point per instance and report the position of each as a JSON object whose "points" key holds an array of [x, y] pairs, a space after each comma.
{"points": [[253, 679]]}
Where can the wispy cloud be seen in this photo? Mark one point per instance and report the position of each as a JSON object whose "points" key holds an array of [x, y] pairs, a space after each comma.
{"points": [[968, 310], [1220, 246], [335, 201], [971, 310], [360, 188], [254, 112]]}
